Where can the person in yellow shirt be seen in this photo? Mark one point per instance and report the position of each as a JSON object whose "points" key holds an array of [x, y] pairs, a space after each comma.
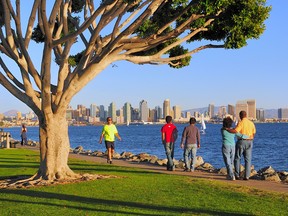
{"points": [[243, 146], [109, 132]]}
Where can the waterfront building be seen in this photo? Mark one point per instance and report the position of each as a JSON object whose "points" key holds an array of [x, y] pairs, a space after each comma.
{"points": [[112, 111], [247, 105], [260, 115], [231, 110], [283, 114], [93, 110], [251, 109], [166, 108], [144, 110], [177, 112], [159, 112], [127, 112], [102, 113], [211, 108]]}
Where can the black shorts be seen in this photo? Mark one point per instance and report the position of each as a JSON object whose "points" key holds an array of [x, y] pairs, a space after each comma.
{"points": [[109, 144]]}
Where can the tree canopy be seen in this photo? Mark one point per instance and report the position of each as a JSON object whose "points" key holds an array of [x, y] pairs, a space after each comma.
{"points": [[85, 37]]}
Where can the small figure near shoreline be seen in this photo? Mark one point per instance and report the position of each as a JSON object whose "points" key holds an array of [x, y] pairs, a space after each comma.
{"points": [[109, 132], [190, 142], [243, 146], [23, 135], [169, 136], [228, 146]]}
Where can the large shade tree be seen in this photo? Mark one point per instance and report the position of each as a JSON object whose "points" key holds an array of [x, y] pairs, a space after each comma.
{"points": [[104, 32]]}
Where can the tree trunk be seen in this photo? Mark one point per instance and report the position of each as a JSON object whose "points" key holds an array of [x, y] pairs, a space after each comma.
{"points": [[54, 149]]}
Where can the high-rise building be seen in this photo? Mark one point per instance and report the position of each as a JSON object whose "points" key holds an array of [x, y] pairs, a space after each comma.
{"points": [[260, 115], [93, 110], [222, 112], [231, 110], [102, 113], [177, 112], [246, 105], [19, 115], [127, 112], [251, 109], [283, 113], [166, 108], [240, 106], [144, 110], [211, 109], [112, 111], [159, 114]]}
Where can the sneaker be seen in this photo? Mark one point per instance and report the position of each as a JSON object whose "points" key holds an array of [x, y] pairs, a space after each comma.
{"points": [[237, 177], [246, 179], [110, 161], [187, 170], [233, 179]]}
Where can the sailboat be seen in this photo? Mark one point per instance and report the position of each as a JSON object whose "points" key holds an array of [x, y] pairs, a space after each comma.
{"points": [[203, 125]]}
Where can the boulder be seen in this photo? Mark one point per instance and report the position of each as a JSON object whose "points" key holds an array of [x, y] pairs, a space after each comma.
{"points": [[78, 150]]}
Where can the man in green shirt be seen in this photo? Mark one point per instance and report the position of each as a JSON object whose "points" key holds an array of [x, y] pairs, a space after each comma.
{"points": [[109, 132]]}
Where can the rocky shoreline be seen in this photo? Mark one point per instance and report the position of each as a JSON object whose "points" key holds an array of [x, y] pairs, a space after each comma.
{"points": [[265, 173]]}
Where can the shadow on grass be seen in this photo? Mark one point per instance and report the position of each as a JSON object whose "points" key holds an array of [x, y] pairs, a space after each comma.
{"points": [[100, 205]]}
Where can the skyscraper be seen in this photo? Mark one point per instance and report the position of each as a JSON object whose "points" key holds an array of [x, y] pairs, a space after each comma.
{"points": [[251, 109], [246, 105], [158, 112], [260, 114], [211, 108], [127, 112], [112, 111], [283, 113], [93, 110], [102, 113], [241, 105], [231, 110], [177, 112], [166, 108], [144, 110]]}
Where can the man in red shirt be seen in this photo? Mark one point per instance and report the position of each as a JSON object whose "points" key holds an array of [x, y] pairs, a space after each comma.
{"points": [[169, 136]]}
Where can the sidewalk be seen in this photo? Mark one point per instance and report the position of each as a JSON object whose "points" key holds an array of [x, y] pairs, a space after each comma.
{"points": [[257, 184]]}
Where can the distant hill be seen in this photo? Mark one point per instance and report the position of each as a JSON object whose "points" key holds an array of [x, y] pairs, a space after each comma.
{"points": [[11, 113]]}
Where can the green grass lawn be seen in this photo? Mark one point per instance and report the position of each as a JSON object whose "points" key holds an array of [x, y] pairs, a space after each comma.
{"points": [[137, 192]]}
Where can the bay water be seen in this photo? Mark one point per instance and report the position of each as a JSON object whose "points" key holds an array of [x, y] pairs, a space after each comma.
{"points": [[270, 147]]}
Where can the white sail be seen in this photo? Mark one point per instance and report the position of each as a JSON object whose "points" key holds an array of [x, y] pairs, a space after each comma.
{"points": [[203, 125]]}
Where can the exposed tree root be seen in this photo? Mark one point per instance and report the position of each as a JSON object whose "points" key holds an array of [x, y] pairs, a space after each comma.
{"points": [[26, 181]]}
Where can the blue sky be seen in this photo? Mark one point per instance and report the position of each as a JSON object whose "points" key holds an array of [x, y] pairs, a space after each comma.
{"points": [[258, 71]]}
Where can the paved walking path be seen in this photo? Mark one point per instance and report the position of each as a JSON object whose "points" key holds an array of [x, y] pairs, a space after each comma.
{"points": [[258, 184]]}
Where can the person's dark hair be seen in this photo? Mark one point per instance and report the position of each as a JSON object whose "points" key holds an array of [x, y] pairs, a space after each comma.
{"points": [[227, 122], [108, 118], [242, 114], [168, 119], [192, 120]]}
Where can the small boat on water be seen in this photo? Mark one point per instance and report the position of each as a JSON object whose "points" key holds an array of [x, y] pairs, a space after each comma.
{"points": [[203, 125]]}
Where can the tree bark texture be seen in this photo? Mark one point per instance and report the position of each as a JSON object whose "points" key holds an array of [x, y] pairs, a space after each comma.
{"points": [[54, 149]]}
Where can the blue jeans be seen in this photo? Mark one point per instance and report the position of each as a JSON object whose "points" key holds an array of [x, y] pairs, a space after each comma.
{"points": [[228, 152], [169, 150], [243, 147], [190, 150]]}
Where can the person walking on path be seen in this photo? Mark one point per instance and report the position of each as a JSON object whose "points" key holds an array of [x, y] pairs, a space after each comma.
{"points": [[190, 142], [109, 132], [169, 136], [23, 135], [243, 145], [228, 146]]}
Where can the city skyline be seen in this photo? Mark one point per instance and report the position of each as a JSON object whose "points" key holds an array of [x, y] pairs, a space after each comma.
{"points": [[217, 76], [160, 104]]}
